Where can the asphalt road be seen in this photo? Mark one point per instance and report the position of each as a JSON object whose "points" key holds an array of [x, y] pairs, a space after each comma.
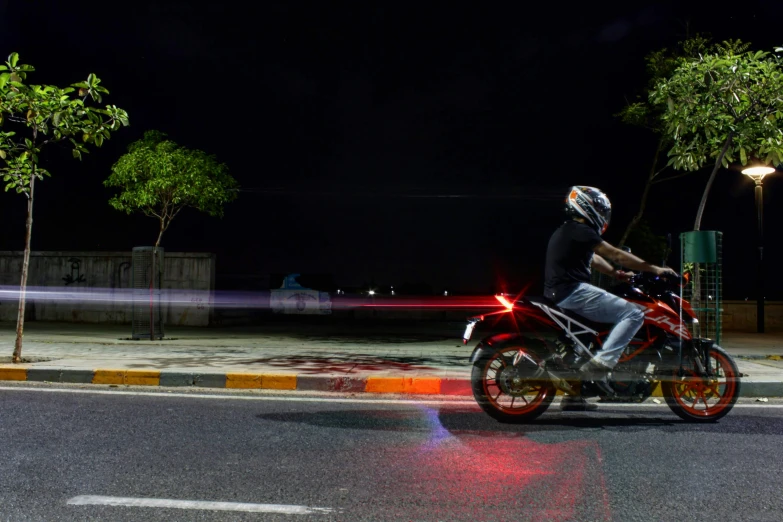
{"points": [[65, 455]]}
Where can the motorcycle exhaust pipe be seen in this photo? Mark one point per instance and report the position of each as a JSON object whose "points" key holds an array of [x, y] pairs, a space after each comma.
{"points": [[561, 384]]}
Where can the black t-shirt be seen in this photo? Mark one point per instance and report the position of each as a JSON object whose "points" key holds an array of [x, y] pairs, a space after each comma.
{"points": [[568, 259]]}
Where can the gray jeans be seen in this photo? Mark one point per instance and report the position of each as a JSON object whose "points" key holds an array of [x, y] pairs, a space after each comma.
{"points": [[600, 306]]}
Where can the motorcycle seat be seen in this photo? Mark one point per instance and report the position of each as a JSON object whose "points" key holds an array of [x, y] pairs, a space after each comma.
{"points": [[599, 327]]}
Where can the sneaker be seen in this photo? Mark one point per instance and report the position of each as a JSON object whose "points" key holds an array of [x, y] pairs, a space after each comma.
{"points": [[572, 403], [599, 374], [593, 367]]}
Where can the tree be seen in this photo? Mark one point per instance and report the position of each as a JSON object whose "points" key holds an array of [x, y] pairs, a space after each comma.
{"points": [[725, 105], [644, 113], [160, 178], [34, 116]]}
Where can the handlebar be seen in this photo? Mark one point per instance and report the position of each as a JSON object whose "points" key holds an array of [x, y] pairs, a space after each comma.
{"points": [[647, 277]]}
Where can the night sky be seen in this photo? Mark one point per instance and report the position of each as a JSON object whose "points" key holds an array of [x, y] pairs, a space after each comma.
{"points": [[389, 142]]}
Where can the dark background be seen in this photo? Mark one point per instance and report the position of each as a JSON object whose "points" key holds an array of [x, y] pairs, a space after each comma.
{"points": [[382, 142]]}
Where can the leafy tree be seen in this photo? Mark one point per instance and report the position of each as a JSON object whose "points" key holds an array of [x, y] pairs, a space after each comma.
{"points": [[725, 105], [644, 113], [159, 178], [34, 116]]}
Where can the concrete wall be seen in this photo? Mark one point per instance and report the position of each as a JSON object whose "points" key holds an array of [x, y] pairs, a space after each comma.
{"points": [[740, 316], [95, 287]]}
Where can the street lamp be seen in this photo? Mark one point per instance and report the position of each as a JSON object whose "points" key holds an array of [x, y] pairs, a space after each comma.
{"points": [[757, 173]]}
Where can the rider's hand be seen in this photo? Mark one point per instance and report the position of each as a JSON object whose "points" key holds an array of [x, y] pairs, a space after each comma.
{"points": [[665, 271], [623, 276]]}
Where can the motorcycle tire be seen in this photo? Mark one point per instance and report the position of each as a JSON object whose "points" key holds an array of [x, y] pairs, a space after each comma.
{"points": [[684, 394], [487, 389]]}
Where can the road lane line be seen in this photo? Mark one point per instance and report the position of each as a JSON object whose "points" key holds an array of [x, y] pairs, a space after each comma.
{"points": [[467, 402], [238, 397], [97, 500]]}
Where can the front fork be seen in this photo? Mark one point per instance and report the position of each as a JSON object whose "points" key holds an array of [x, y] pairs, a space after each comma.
{"points": [[699, 352]]}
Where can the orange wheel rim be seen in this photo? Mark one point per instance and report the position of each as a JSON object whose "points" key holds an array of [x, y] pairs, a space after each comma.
{"points": [[705, 398], [526, 397]]}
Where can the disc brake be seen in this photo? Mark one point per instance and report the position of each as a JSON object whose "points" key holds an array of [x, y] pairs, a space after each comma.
{"points": [[513, 384]]}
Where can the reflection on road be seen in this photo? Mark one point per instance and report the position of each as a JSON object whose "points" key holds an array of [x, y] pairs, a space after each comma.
{"points": [[455, 466]]}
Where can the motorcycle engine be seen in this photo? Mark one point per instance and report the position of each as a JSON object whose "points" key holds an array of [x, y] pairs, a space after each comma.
{"points": [[631, 382]]}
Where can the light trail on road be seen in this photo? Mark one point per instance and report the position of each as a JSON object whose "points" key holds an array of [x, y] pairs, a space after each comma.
{"points": [[292, 397]]}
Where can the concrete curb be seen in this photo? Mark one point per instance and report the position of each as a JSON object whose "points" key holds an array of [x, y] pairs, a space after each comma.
{"points": [[418, 385]]}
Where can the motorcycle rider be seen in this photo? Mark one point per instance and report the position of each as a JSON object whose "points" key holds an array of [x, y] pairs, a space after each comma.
{"points": [[573, 250]]}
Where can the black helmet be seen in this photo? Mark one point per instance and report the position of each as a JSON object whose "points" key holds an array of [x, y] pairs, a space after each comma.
{"points": [[590, 204]]}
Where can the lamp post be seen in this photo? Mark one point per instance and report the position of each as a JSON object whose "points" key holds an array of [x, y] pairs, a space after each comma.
{"points": [[757, 173]]}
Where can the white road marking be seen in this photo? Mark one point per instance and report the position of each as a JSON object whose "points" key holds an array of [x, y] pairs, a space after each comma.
{"points": [[447, 402], [466, 402], [97, 500]]}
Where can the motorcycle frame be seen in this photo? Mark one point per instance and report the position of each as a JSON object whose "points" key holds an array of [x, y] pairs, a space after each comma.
{"points": [[658, 316], [572, 328]]}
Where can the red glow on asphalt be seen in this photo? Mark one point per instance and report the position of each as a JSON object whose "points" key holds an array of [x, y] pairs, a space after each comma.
{"points": [[482, 470]]}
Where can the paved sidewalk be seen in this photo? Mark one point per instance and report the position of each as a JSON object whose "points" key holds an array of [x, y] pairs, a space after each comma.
{"points": [[386, 357]]}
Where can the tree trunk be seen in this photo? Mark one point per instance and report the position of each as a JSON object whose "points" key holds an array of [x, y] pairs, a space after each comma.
{"points": [[152, 292], [718, 162], [696, 298], [160, 234], [17, 357], [153, 275], [638, 217]]}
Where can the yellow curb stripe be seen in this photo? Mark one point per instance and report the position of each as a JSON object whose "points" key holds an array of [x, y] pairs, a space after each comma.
{"points": [[142, 377], [417, 385], [11, 373], [108, 377], [243, 380], [261, 381], [128, 377], [422, 385], [383, 385], [278, 382]]}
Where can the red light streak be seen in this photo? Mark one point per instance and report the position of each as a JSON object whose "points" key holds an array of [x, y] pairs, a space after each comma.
{"points": [[431, 302], [422, 305], [502, 299]]}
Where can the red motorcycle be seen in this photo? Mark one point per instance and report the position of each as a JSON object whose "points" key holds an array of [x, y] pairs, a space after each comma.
{"points": [[516, 376]]}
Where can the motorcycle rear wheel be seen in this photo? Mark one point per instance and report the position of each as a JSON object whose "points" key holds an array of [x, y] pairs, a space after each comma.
{"points": [[504, 395], [696, 399]]}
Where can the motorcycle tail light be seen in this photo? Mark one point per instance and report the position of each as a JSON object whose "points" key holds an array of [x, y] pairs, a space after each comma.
{"points": [[505, 302]]}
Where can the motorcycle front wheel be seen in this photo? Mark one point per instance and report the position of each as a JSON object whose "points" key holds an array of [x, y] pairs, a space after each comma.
{"points": [[696, 398], [507, 393]]}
